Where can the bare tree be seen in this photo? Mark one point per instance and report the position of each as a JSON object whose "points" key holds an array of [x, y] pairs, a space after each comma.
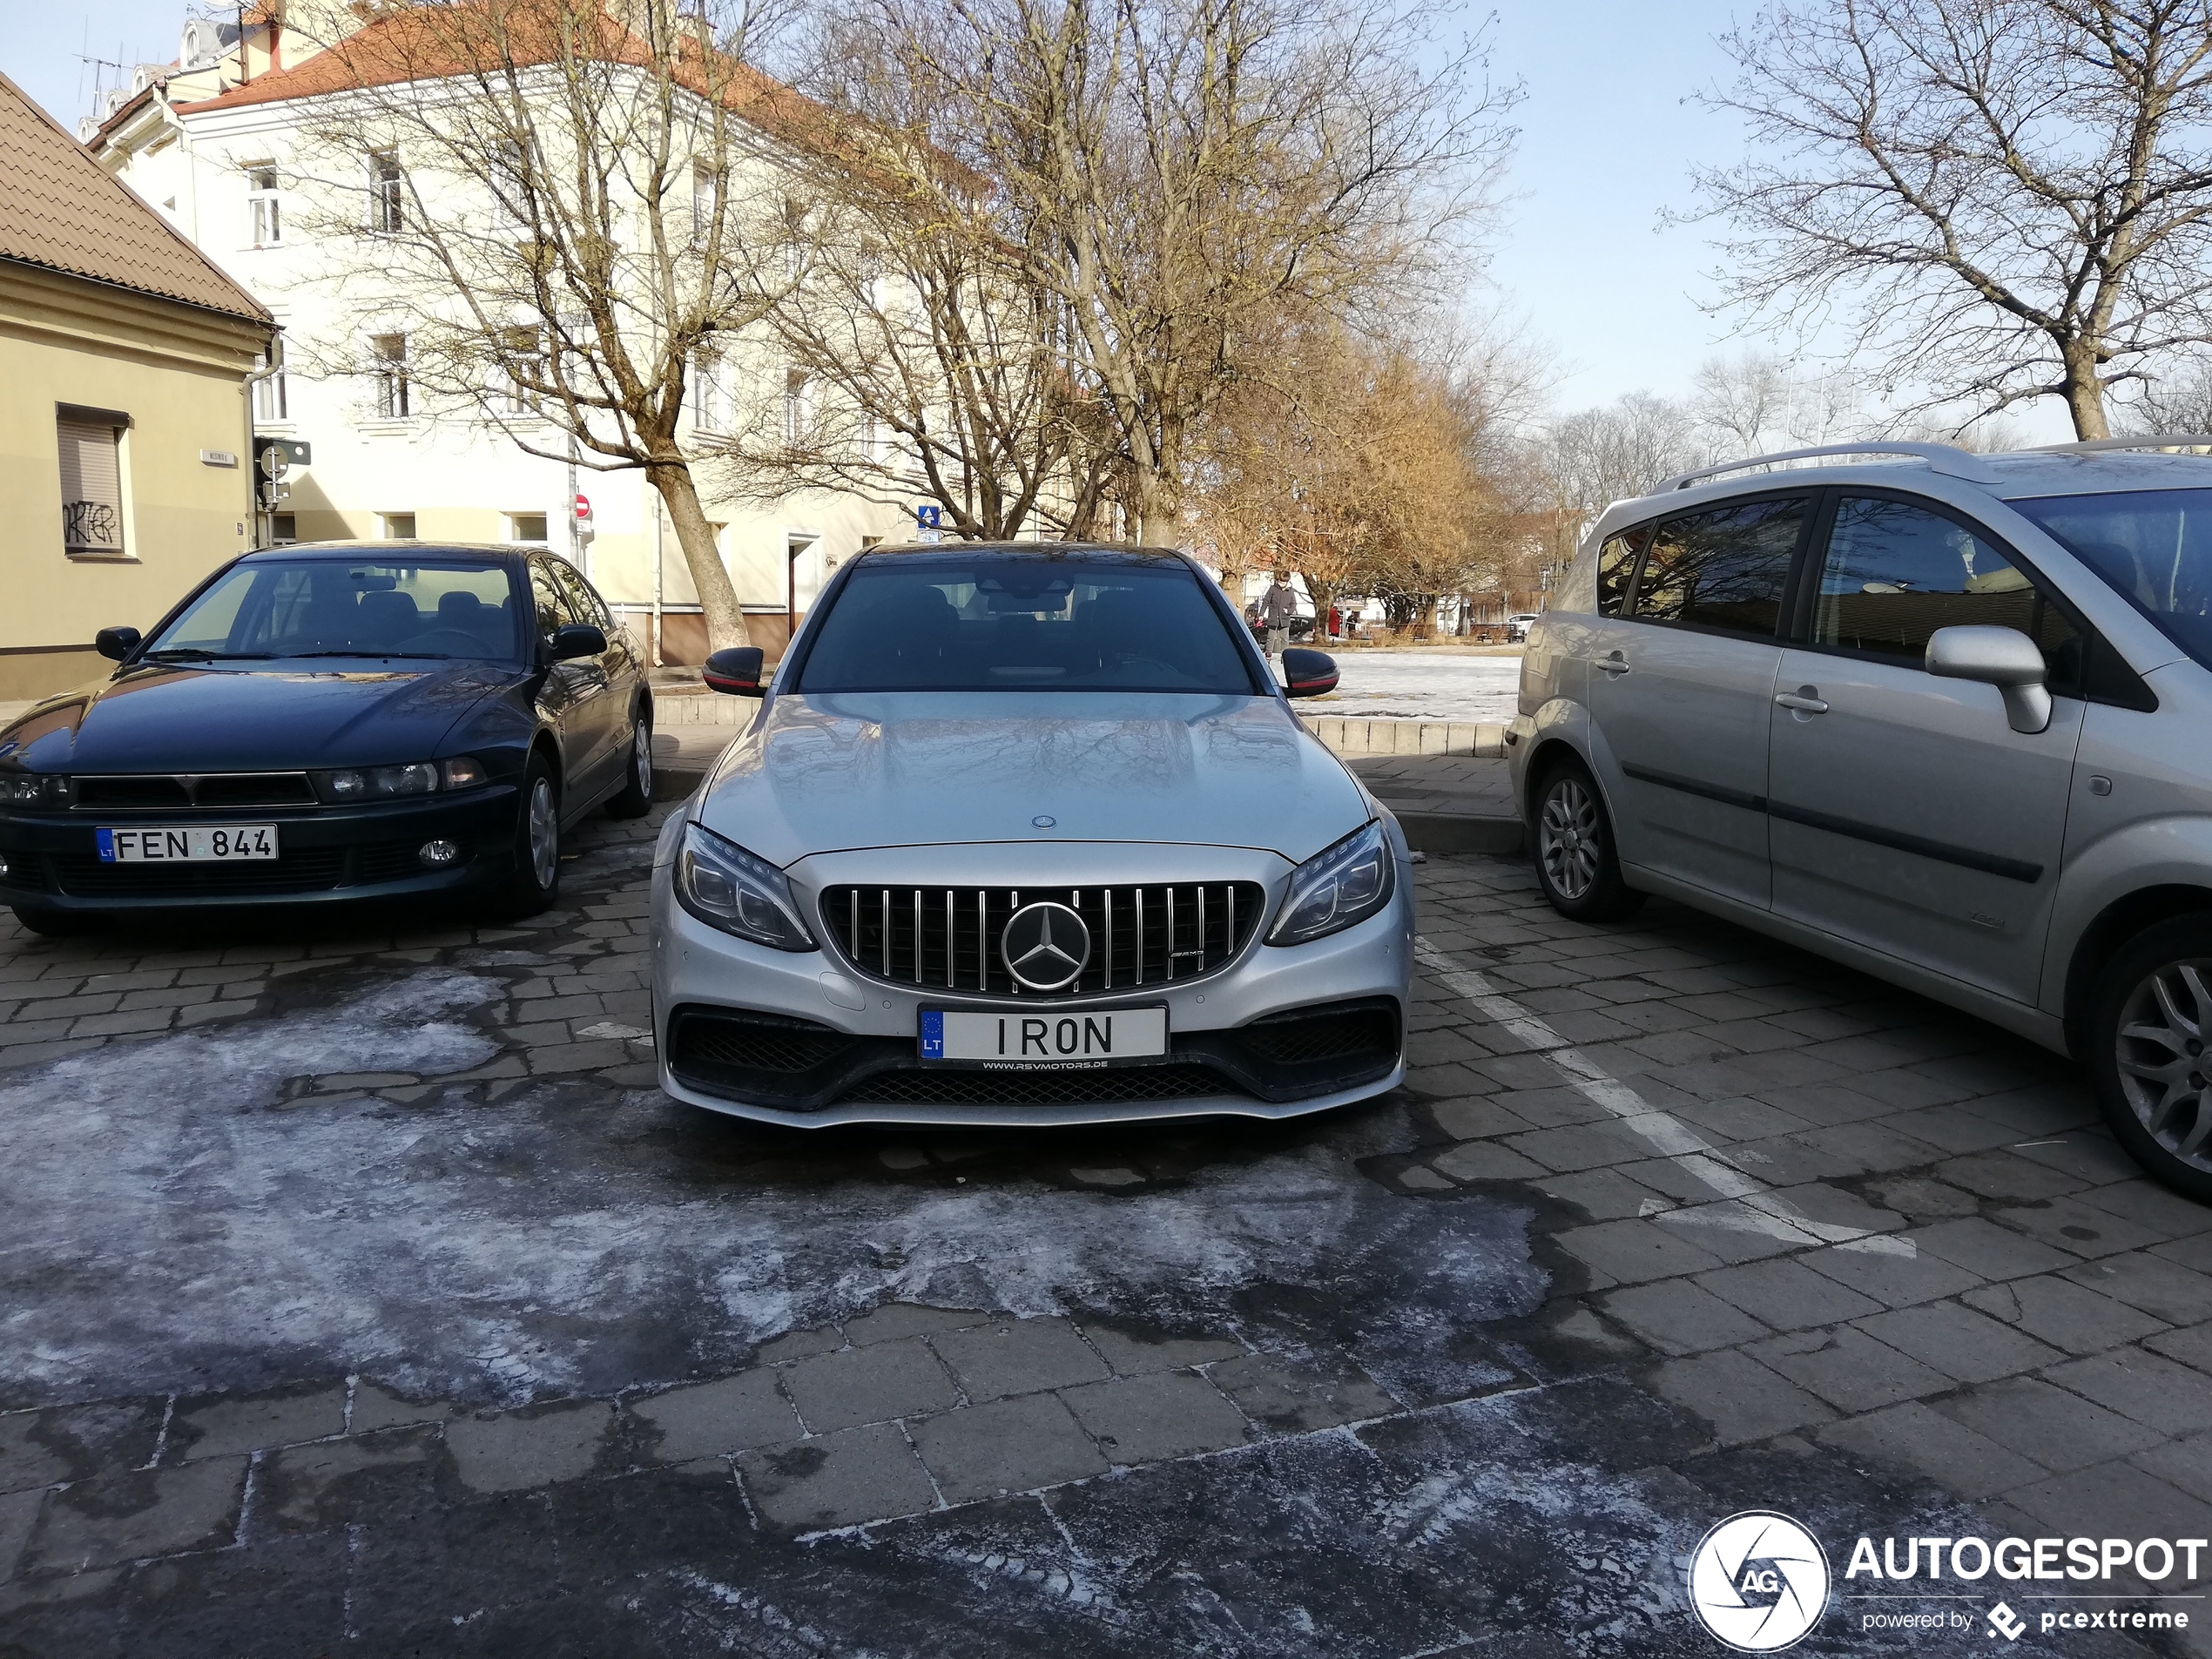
{"points": [[2010, 196], [1605, 455], [2177, 400], [1757, 401], [560, 198]]}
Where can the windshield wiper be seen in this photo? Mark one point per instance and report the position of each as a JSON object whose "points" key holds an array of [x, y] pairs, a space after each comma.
{"points": [[417, 656], [194, 654]]}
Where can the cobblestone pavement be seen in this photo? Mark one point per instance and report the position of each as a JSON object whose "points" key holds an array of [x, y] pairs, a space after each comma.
{"points": [[360, 1294], [1478, 784]]}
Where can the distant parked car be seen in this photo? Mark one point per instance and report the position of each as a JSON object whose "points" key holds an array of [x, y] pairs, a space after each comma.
{"points": [[1517, 625], [330, 721]]}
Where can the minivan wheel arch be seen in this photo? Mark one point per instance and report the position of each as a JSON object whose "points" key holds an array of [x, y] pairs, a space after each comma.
{"points": [[1548, 754], [2108, 934]]}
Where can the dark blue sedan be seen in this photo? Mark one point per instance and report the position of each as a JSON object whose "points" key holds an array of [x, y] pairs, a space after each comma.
{"points": [[331, 722]]}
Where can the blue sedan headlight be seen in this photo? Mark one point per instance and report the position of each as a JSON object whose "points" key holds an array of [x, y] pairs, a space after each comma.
{"points": [[1337, 887], [395, 783], [727, 887]]}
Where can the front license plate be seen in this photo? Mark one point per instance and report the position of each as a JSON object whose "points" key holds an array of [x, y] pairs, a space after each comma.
{"points": [[1044, 1042], [182, 844]]}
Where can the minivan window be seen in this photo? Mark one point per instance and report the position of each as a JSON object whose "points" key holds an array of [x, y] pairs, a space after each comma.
{"points": [[1896, 572], [1002, 622], [2153, 545], [1616, 568], [1726, 569], [340, 607]]}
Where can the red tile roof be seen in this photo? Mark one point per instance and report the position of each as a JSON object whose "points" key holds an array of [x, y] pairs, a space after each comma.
{"points": [[61, 210]]}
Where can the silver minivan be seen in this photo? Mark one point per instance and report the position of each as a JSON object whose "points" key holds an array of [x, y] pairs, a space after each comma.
{"points": [[1939, 716]]}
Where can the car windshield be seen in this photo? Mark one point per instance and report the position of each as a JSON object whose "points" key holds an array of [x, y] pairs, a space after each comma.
{"points": [[327, 607], [2153, 545], [1092, 621]]}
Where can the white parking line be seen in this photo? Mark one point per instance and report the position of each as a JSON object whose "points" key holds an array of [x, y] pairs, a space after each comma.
{"points": [[1742, 1203]]}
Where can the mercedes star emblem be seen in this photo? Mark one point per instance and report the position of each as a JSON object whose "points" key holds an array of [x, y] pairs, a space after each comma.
{"points": [[1046, 946]]}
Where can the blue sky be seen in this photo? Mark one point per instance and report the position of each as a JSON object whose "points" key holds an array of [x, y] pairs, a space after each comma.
{"points": [[1607, 141]]}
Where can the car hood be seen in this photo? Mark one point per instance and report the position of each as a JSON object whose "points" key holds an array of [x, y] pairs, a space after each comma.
{"points": [[835, 772], [278, 718]]}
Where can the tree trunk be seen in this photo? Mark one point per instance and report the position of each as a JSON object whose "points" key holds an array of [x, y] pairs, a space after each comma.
{"points": [[2085, 398], [710, 576], [1324, 595]]}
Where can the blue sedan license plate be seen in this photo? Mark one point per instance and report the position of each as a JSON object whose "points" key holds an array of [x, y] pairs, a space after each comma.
{"points": [[188, 844], [1033, 1042]]}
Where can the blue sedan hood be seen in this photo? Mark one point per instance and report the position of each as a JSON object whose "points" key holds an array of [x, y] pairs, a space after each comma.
{"points": [[277, 718], [830, 773]]}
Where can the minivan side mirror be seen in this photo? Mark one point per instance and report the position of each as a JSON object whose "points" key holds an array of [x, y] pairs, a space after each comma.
{"points": [[2004, 658], [736, 671], [577, 639], [116, 643], [1307, 673]]}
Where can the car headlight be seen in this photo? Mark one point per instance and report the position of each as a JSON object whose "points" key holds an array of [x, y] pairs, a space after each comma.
{"points": [[392, 783], [34, 789], [727, 887], [1345, 883]]}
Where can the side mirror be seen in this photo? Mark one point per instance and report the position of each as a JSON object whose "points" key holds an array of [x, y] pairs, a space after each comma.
{"points": [[736, 671], [116, 643], [2004, 658], [1308, 673], [577, 639]]}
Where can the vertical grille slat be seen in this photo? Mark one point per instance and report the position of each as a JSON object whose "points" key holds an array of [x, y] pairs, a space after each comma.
{"points": [[1139, 936]]}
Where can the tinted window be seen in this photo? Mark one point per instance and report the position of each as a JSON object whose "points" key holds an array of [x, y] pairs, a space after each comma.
{"points": [[546, 596], [995, 622], [330, 606], [1725, 569], [584, 602], [1895, 573], [2153, 545], [1616, 568]]}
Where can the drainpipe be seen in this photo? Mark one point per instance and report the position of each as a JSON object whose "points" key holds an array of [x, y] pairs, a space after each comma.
{"points": [[659, 583]]}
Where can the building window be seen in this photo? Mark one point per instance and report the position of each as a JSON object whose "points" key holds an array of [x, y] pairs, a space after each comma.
{"points": [[706, 190], [799, 406], [399, 526], [386, 193], [525, 366], [271, 399], [526, 527], [91, 442], [283, 529], [706, 393], [390, 374], [263, 204]]}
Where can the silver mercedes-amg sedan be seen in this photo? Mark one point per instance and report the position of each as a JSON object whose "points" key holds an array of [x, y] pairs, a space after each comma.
{"points": [[1028, 834]]}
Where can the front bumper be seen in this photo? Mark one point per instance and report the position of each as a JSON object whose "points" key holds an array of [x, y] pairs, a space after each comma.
{"points": [[1238, 1037], [326, 856]]}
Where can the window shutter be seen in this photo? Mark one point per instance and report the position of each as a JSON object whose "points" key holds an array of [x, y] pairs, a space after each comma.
{"points": [[91, 488]]}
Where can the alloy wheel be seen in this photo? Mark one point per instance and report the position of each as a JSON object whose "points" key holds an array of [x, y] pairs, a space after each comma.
{"points": [[641, 758], [544, 834], [2164, 1072], [1568, 840]]}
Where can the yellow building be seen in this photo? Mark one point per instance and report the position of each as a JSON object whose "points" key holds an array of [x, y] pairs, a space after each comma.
{"points": [[126, 435]]}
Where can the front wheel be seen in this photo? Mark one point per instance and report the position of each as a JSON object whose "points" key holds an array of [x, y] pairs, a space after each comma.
{"points": [[1577, 864], [636, 799], [535, 880], [2150, 1018]]}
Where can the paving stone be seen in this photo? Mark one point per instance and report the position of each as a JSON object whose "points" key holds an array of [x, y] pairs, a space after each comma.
{"points": [[2066, 1315], [839, 1479], [1897, 1280], [1987, 1249], [1485, 1161], [2192, 1347], [1133, 1349], [18, 1511], [1849, 1369], [730, 1415], [1604, 1195], [1958, 1342], [2160, 1287], [1632, 1251], [799, 1345], [1917, 1438], [1677, 1317], [896, 1319], [531, 1447], [1467, 1120], [2004, 1175], [376, 1407], [2115, 1500], [1787, 1295], [130, 1517], [1297, 1398], [1009, 1445], [1163, 1415], [2187, 1464], [1739, 1396], [2151, 1204], [2057, 1429], [74, 1442], [220, 1428], [1019, 1357], [869, 1385], [2071, 1225], [317, 1486], [1921, 1195], [2149, 1387]]}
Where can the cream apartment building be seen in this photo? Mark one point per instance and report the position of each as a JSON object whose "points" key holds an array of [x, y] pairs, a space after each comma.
{"points": [[222, 144]]}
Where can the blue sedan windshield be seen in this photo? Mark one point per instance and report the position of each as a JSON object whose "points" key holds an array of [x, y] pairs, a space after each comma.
{"points": [[344, 608], [2153, 545], [1086, 621]]}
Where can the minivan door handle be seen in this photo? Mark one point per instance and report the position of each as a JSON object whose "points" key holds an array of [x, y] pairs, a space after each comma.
{"points": [[1802, 701], [1614, 664]]}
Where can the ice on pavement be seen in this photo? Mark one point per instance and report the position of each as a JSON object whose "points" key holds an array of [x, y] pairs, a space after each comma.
{"points": [[1421, 685]]}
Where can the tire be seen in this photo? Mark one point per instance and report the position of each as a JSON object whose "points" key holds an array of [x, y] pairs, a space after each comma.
{"points": [[636, 798], [534, 881], [2150, 1019], [55, 924], [1576, 863]]}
